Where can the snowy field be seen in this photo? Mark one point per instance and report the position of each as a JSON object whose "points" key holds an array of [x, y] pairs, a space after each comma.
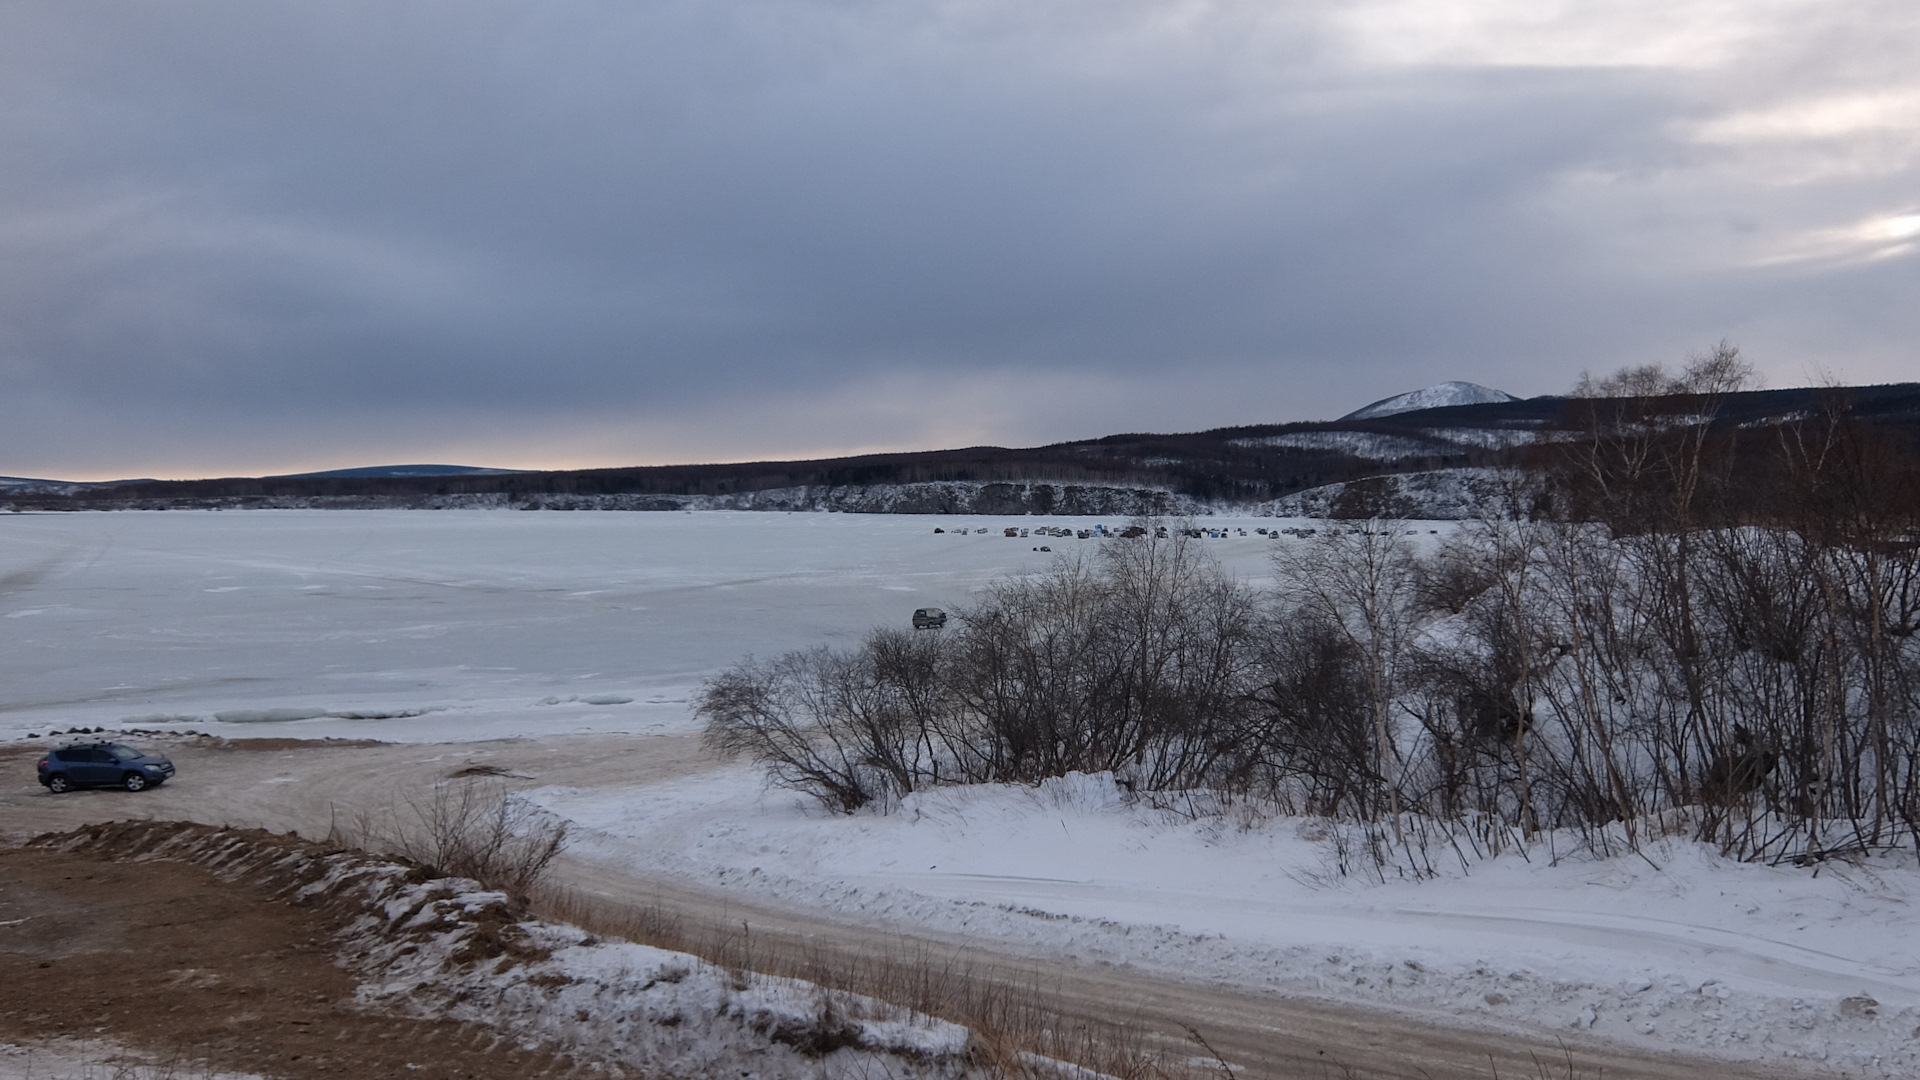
{"points": [[418, 626]]}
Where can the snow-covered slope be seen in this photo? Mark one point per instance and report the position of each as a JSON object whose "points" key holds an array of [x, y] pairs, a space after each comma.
{"points": [[1366, 444], [1435, 495], [1437, 396], [26, 485]]}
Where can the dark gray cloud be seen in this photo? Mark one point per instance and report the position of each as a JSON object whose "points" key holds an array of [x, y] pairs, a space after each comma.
{"points": [[240, 236]]}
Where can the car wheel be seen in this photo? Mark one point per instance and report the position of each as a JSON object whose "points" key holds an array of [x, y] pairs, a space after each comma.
{"points": [[134, 781], [58, 784]]}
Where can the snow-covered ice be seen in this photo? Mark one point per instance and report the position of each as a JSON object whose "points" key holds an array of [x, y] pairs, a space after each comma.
{"points": [[457, 624]]}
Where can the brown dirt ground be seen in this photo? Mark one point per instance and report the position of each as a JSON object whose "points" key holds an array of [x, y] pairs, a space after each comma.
{"points": [[167, 959]]}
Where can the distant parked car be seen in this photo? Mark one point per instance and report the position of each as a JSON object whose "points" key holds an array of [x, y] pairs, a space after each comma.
{"points": [[929, 618], [102, 764]]}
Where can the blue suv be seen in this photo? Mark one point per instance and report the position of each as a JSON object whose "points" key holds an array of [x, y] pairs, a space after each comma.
{"points": [[102, 764]]}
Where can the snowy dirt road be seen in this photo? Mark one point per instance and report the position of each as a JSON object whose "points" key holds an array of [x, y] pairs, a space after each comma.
{"points": [[291, 785]]}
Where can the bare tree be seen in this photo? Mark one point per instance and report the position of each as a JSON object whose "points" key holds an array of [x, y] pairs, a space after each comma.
{"points": [[1360, 580]]}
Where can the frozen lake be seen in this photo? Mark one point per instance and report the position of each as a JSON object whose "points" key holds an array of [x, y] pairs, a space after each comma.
{"points": [[498, 622]]}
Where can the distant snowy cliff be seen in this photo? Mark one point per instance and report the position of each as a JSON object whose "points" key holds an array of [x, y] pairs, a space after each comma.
{"points": [[1439, 495]]}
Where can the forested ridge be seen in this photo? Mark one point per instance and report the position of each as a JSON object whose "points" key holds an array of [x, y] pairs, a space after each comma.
{"points": [[1226, 466]]}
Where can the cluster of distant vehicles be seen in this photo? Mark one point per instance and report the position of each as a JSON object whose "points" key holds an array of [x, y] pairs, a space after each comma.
{"points": [[935, 618], [1096, 532]]}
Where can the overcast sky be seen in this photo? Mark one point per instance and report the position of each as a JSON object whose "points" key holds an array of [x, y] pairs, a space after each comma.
{"points": [[246, 236]]}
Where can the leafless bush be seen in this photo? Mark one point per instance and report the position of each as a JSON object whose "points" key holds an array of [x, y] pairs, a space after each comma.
{"points": [[465, 827], [809, 719], [1134, 662]]}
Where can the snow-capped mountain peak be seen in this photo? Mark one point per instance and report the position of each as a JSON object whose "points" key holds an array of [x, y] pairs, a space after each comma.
{"points": [[1437, 396]]}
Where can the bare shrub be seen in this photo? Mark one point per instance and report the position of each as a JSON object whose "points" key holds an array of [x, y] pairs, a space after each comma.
{"points": [[465, 827], [1360, 582], [813, 721], [1134, 662], [1315, 749]]}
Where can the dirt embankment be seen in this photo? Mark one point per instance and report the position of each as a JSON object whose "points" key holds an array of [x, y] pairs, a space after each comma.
{"points": [[166, 958]]}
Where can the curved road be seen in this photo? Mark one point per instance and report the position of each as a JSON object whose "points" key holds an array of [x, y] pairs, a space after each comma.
{"points": [[309, 787]]}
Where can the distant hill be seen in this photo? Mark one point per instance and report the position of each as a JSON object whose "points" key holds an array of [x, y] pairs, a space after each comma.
{"points": [[1438, 396], [1436, 459], [370, 471], [26, 485]]}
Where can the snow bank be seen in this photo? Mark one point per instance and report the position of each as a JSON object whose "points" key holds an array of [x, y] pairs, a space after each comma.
{"points": [[1682, 949]]}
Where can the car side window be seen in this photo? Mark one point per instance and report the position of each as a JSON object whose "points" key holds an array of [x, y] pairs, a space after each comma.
{"points": [[99, 757], [65, 756]]}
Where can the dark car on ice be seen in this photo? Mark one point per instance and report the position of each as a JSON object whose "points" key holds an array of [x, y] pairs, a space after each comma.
{"points": [[102, 764], [929, 618]]}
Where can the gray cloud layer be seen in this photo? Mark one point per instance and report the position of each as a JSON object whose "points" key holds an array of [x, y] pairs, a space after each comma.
{"points": [[242, 236]]}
